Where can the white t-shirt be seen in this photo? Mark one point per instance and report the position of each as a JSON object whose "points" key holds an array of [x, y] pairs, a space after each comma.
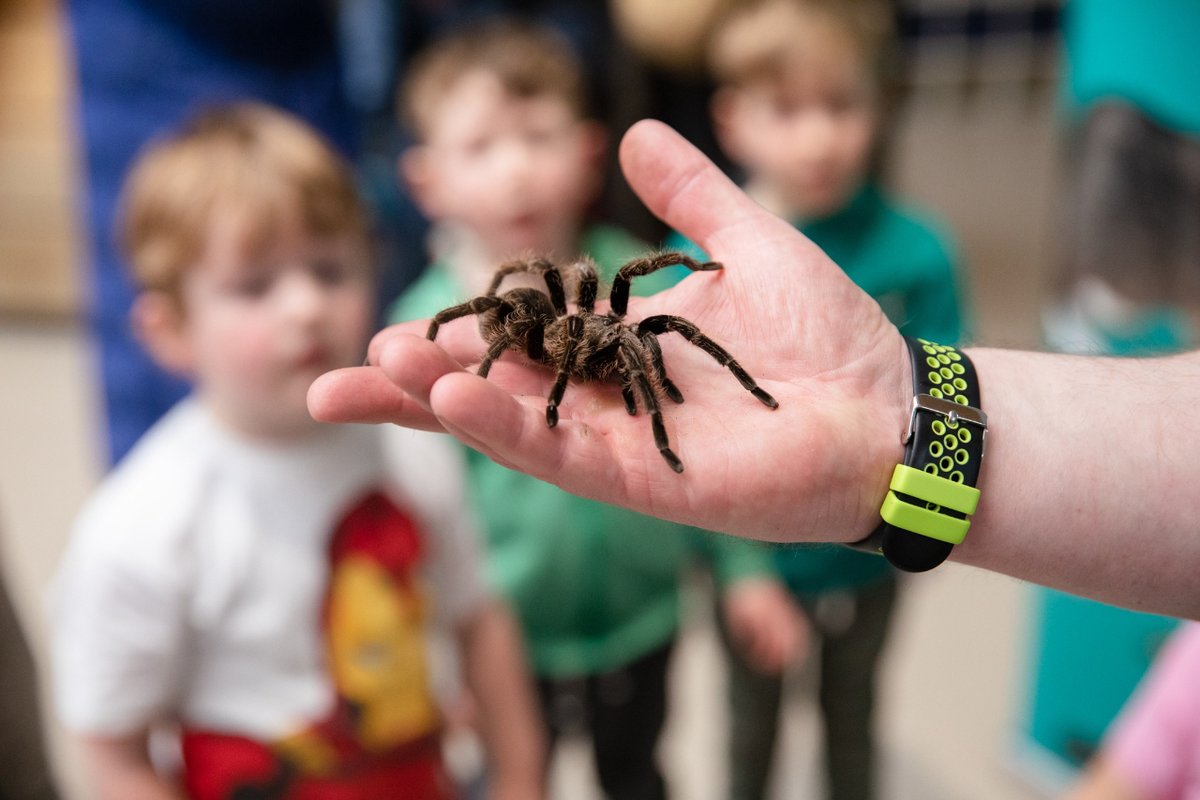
{"points": [[195, 583]]}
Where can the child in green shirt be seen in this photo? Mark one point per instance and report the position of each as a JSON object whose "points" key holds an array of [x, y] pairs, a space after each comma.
{"points": [[799, 107], [506, 166]]}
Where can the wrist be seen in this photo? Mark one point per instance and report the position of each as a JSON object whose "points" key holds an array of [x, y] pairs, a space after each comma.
{"points": [[888, 445], [932, 491]]}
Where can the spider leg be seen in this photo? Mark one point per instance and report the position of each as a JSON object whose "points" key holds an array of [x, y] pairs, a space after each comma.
{"points": [[626, 389], [574, 333], [619, 296], [589, 285], [633, 357], [475, 306], [660, 369], [665, 322], [535, 340], [495, 349], [540, 266], [627, 392]]}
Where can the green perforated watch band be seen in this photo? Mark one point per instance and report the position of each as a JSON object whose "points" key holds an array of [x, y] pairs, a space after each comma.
{"points": [[932, 495]]}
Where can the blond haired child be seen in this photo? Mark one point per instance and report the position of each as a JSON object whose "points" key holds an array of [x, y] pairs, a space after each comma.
{"points": [[506, 165], [800, 106], [270, 587]]}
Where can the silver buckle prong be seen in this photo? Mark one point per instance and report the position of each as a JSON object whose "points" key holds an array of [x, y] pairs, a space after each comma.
{"points": [[952, 411]]}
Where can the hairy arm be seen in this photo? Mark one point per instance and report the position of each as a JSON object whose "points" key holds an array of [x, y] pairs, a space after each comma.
{"points": [[1091, 476]]}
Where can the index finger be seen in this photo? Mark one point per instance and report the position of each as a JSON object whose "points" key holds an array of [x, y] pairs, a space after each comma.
{"points": [[459, 338], [365, 394]]}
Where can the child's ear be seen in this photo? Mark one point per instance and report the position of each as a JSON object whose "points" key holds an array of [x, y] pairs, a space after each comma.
{"points": [[159, 325], [416, 170]]}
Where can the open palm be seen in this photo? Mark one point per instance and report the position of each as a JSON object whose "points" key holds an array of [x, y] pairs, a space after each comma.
{"points": [[813, 469]]}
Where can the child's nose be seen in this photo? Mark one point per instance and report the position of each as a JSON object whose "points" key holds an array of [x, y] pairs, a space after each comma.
{"points": [[516, 162], [815, 134], [302, 298]]}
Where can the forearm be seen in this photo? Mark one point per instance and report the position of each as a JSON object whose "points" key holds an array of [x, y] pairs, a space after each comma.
{"points": [[508, 719], [1090, 481], [119, 768]]}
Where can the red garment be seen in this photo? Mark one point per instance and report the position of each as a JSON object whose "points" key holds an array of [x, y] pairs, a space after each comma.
{"points": [[221, 767]]}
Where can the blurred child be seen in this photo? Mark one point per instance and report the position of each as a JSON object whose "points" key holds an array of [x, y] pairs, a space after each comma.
{"points": [[799, 107], [506, 165], [1153, 750], [269, 586]]}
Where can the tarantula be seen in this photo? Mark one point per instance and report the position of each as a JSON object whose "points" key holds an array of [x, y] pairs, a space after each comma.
{"points": [[586, 345]]}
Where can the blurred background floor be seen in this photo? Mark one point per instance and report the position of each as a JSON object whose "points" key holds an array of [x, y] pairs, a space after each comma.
{"points": [[953, 679]]}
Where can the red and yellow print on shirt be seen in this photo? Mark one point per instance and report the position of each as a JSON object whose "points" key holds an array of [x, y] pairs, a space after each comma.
{"points": [[382, 733], [375, 617]]}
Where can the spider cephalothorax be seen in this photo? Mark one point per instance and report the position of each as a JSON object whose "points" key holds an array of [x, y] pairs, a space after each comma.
{"points": [[586, 345]]}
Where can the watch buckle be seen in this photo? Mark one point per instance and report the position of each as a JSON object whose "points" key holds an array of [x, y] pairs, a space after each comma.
{"points": [[951, 411]]}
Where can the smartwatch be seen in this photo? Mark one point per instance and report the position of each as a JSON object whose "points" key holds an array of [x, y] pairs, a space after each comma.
{"points": [[933, 493]]}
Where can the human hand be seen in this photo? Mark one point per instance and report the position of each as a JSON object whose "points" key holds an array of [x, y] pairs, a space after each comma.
{"points": [[816, 468], [765, 624]]}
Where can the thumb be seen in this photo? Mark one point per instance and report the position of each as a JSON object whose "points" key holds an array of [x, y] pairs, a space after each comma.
{"points": [[679, 184]]}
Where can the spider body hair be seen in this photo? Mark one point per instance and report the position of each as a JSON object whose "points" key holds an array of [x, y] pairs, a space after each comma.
{"points": [[584, 345], [517, 319]]}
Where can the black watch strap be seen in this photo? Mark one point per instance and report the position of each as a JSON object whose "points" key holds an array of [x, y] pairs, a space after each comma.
{"points": [[933, 492]]}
